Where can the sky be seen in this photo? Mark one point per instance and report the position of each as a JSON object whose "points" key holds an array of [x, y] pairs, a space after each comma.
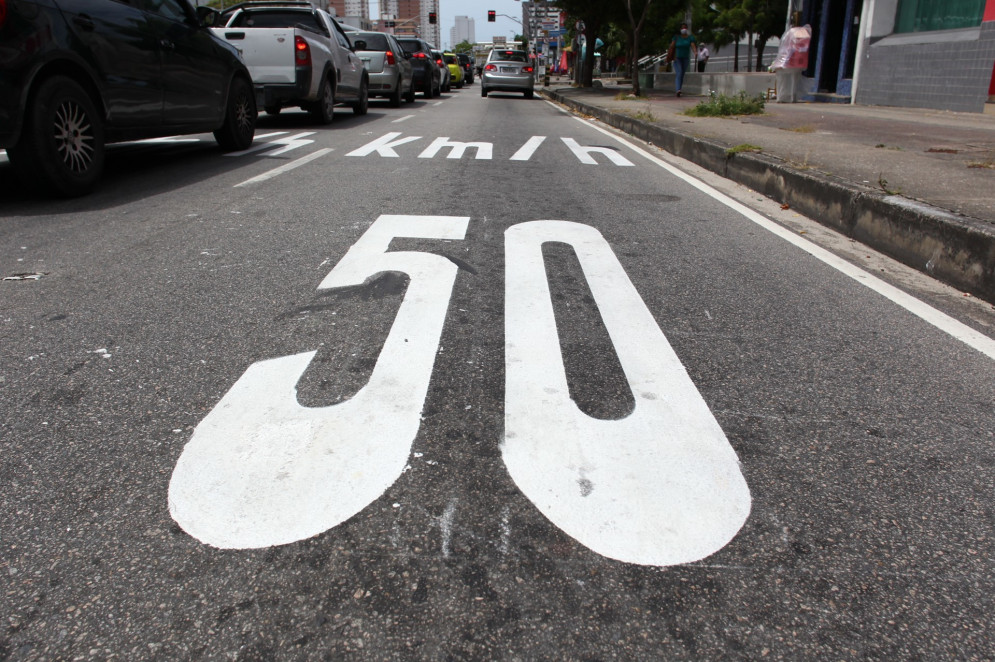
{"points": [[477, 10]]}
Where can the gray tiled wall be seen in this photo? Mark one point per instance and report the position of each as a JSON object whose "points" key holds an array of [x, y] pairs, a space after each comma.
{"points": [[944, 75]]}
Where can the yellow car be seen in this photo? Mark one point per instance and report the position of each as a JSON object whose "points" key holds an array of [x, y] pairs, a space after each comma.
{"points": [[455, 70]]}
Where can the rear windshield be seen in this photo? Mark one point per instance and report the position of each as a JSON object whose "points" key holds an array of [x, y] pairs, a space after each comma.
{"points": [[450, 59], [276, 19], [509, 56], [375, 41], [410, 45]]}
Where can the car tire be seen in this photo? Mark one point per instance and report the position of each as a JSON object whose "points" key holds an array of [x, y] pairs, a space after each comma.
{"points": [[323, 110], [529, 94], [61, 148], [239, 128], [483, 91], [410, 96], [361, 106], [395, 96], [459, 85], [429, 88]]}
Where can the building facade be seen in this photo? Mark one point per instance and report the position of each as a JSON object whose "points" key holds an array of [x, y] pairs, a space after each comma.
{"points": [[463, 30], [914, 53]]}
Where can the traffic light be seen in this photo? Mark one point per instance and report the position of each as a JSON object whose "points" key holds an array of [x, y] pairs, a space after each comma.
{"points": [[431, 17], [491, 16]]}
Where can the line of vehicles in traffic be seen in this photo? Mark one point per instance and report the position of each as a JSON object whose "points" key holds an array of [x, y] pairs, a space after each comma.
{"points": [[80, 74]]}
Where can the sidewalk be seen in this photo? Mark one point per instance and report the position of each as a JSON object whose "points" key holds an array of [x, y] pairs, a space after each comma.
{"points": [[916, 184]]}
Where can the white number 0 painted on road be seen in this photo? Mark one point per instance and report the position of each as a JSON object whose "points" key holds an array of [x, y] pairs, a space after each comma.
{"points": [[659, 487]]}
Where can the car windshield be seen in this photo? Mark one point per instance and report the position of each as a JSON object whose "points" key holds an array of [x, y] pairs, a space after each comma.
{"points": [[509, 56], [375, 41], [410, 45], [450, 59]]}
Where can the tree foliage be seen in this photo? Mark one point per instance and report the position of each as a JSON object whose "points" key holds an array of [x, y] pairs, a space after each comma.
{"points": [[463, 47]]}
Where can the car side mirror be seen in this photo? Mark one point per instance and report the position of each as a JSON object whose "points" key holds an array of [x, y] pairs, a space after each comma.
{"points": [[208, 17]]}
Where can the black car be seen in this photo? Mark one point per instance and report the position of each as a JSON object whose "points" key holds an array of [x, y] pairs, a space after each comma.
{"points": [[427, 76], [78, 74], [466, 63]]}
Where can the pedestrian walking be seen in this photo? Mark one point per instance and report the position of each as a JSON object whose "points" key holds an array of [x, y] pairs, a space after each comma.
{"points": [[703, 56], [791, 60], [679, 52]]}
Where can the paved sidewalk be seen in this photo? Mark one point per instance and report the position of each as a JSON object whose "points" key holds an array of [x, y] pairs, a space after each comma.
{"points": [[916, 184]]}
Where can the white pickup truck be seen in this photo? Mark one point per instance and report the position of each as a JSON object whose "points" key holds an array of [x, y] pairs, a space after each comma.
{"points": [[297, 55]]}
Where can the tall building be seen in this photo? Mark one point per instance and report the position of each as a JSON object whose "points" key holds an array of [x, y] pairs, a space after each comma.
{"points": [[462, 31], [410, 17], [349, 7]]}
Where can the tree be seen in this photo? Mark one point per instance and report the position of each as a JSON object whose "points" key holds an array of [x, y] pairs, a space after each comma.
{"points": [[637, 26], [463, 47]]}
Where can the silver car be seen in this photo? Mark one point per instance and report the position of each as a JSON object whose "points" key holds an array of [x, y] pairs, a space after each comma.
{"points": [[507, 71], [387, 64]]}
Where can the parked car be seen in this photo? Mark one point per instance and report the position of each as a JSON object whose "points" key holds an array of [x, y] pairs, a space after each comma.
{"points": [[389, 67], [507, 71], [466, 63], [455, 70], [446, 83], [427, 77], [298, 55], [76, 75]]}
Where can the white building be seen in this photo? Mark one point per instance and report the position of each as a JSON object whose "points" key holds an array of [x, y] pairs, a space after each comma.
{"points": [[463, 31]]}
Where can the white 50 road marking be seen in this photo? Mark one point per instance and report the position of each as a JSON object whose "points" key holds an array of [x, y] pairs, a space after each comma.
{"points": [[659, 487], [262, 470], [927, 313]]}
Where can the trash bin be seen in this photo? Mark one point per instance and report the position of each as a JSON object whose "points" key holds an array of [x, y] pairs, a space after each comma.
{"points": [[646, 81]]}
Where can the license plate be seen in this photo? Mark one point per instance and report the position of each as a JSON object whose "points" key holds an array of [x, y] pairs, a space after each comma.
{"points": [[509, 70]]}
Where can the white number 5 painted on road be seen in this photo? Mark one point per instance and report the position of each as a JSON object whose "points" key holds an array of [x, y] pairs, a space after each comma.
{"points": [[660, 487]]}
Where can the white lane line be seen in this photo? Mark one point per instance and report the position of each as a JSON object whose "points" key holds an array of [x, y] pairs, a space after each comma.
{"points": [[286, 167], [925, 312], [402, 119], [437, 103]]}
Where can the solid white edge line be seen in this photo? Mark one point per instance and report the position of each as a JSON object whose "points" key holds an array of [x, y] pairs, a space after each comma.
{"points": [[924, 311], [284, 168]]}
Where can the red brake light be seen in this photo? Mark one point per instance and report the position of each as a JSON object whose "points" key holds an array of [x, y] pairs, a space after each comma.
{"points": [[439, 62], [389, 54], [3, 11], [420, 56], [527, 69], [303, 52], [490, 67]]}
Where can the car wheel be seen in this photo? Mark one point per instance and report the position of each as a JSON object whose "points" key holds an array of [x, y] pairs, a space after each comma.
{"points": [[528, 94], [62, 145], [361, 106], [483, 91], [429, 87], [410, 96], [323, 110], [240, 118], [395, 96], [459, 85]]}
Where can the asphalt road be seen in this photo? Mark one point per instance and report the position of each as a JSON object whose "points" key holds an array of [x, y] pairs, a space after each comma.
{"points": [[554, 400]]}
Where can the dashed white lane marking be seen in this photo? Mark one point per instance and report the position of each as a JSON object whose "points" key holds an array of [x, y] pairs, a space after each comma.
{"points": [[285, 168], [925, 312], [402, 119]]}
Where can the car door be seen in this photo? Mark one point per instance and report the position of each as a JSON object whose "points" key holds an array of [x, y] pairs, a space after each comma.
{"points": [[120, 45], [348, 66], [195, 70]]}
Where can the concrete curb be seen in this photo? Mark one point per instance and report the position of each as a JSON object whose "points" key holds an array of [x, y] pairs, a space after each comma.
{"points": [[957, 250]]}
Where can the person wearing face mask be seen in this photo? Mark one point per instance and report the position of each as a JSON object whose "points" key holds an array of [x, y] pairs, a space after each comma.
{"points": [[679, 52]]}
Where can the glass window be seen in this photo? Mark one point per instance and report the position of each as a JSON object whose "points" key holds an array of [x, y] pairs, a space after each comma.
{"points": [[167, 8], [927, 15], [375, 41]]}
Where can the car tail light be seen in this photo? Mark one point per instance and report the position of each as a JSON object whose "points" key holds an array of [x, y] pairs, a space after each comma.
{"points": [[388, 54], [420, 56], [3, 12], [440, 63], [303, 51], [490, 67], [527, 69]]}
